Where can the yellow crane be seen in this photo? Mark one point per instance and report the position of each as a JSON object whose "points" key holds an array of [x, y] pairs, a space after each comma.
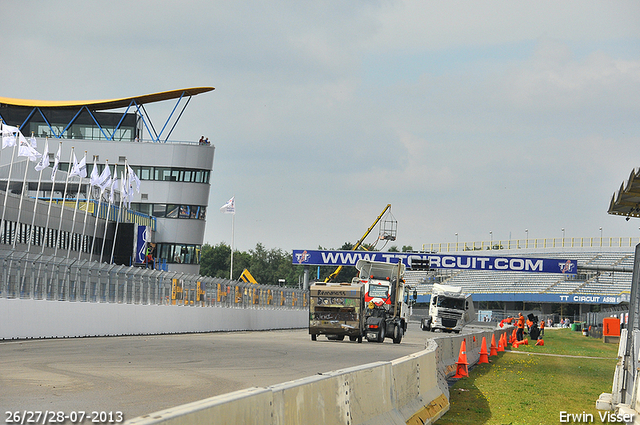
{"points": [[385, 235]]}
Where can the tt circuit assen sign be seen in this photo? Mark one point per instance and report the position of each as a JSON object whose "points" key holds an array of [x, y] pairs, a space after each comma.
{"points": [[437, 261]]}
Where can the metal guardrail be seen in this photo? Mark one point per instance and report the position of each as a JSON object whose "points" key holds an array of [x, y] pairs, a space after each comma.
{"points": [[61, 279], [546, 243]]}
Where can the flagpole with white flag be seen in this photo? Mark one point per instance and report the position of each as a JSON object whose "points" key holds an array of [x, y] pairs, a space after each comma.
{"points": [[230, 208], [104, 180], [80, 170], [114, 182], [93, 181], [41, 165], [26, 150], [123, 185], [56, 163], [9, 131], [64, 194]]}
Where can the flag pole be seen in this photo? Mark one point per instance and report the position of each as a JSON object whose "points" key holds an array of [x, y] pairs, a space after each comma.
{"points": [[111, 198], [233, 226], [123, 186], [53, 184], [75, 209], [97, 214], [29, 152], [86, 209], [64, 194], [35, 203], [6, 193]]}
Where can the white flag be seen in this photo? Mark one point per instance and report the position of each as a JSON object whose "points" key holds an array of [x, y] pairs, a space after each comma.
{"points": [[79, 168], [44, 161], [95, 177], [105, 178], [9, 136], [229, 207], [34, 142], [114, 184], [25, 149], [56, 162], [133, 178]]}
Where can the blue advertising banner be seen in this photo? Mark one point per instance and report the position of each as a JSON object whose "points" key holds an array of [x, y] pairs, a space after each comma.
{"points": [[143, 235], [437, 261], [543, 298]]}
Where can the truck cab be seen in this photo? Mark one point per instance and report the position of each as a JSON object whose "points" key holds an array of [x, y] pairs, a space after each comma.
{"points": [[387, 312], [449, 309]]}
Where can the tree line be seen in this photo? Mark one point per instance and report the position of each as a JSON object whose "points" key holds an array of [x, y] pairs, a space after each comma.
{"points": [[269, 266]]}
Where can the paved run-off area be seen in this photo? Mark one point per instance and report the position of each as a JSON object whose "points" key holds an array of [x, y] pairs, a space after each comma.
{"points": [[143, 374]]}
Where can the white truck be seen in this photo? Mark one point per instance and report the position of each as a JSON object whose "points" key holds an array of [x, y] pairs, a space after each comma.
{"points": [[385, 299], [449, 309]]}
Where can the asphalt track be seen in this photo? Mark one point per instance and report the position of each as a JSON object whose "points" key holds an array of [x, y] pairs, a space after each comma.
{"points": [[142, 374]]}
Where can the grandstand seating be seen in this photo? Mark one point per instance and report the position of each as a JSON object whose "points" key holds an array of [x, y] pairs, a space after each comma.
{"points": [[584, 283]]}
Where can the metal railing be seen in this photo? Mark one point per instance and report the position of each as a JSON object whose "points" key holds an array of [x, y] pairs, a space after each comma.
{"points": [[61, 279], [546, 243]]}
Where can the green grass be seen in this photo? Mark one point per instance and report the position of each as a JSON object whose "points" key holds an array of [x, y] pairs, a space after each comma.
{"points": [[533, 389]]}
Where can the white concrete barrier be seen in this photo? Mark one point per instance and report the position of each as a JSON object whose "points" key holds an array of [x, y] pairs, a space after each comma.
{"points": [[409, 390], [250, 406], [57, 319]]}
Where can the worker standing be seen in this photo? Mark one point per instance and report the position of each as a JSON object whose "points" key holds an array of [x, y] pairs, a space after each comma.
{"points": [[541, 328], [520, 331]]}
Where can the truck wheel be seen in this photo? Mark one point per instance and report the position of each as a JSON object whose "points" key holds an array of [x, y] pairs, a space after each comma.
{"points": [[360, 340], [381, 333], [352, 338], [397, 333], [314, 337], [340, 337]]}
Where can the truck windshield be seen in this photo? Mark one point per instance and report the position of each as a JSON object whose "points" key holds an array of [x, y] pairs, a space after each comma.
{"points": [[454, 303]]}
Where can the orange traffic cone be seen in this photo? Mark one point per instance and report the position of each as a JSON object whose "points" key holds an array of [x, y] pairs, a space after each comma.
{"points": [[513, 336], [540, 342], [500, 345], [474, 338], [516, 344], [484, 355], [525, 341], [494, 350], [461, 370], [505, 342]]}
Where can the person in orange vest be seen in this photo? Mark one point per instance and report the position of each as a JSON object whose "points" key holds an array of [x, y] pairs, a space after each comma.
{"points": [[520, 331], [541, 328]]}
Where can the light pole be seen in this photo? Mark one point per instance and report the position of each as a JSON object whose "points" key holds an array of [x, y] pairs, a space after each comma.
{"points": [[456, 241], [563, 237], [600, 236], [526, 231], [491, 236]]}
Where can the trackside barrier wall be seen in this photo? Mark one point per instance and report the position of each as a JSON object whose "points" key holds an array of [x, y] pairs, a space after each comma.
{"points": [[411, 390], [51, 297]]}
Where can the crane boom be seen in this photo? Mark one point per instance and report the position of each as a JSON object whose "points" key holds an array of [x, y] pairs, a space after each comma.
{"points": [[357, 245]]}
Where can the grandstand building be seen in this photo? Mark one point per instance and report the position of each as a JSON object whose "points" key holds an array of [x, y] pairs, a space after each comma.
{"points": [[595, 284], [174, 175]]}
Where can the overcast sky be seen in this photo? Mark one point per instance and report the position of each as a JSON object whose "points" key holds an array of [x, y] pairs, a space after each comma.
{"points": [[467, 117]]}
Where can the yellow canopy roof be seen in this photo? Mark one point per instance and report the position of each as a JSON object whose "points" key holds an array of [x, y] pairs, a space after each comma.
{"points": [[101, 105]]}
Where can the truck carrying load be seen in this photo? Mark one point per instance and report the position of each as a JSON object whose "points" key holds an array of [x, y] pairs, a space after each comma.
{"points": [[373, 305], [336, 310]]}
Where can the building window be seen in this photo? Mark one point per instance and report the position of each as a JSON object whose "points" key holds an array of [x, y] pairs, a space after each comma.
{"points": [[179, 253]]}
